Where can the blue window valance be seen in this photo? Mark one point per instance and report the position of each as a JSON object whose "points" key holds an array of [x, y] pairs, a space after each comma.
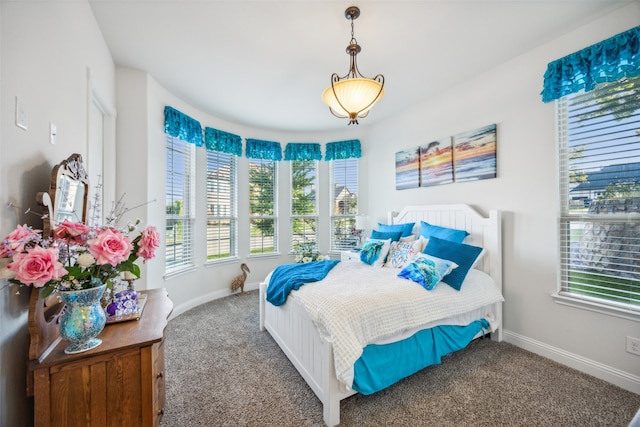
{"points": [[181, 126], [302, 151], [225, 142], [607, 61], [343, 150], [267, 150]]}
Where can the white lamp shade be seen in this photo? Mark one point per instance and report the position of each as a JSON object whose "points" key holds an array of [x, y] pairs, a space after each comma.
{"points": [[361, 222], [355, 94]]}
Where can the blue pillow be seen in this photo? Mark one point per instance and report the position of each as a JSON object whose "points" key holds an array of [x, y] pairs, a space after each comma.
{"points": [[427, 271], [427, 231], [461, 254], [407, 228], [384, 235]]}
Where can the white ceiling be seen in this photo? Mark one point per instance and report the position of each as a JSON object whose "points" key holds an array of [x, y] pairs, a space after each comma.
{"points": [[265, 63]]}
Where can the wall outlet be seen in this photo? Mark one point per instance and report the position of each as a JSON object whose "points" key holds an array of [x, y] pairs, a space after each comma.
{"points": [[633, 345]]}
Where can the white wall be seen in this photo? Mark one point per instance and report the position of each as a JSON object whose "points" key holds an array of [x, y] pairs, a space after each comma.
{"points": [[526, 190], [46, 48]]}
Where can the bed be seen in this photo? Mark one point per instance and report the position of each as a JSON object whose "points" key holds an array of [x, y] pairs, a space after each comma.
{"points": [[302, 329]]}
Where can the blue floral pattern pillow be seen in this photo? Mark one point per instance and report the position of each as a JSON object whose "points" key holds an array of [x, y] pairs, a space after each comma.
{"points": [[374, 252], [427, 271], [401, 253]]}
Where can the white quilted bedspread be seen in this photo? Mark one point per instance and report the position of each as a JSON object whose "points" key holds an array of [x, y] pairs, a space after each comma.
{"points": [[357, 304]]}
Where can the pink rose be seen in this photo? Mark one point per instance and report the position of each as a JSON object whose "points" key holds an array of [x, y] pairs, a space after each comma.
{"points": [[70, 230], [110, 247], [37, 267], [16, 241], [149, 242]]}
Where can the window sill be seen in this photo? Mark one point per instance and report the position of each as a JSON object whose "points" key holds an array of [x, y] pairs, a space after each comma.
{"points": [[217, 262], [179, 272], [590, 304]]}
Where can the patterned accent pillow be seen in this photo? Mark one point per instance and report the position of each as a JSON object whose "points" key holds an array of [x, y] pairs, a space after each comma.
{"points": [[401, 253], [374, 252], [427, 271]]}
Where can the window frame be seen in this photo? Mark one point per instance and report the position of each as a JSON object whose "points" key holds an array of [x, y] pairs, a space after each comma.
{"points": [[187, 218], [231, 215], [312, 217], [348, 220], [261, 217], [571, 218]]}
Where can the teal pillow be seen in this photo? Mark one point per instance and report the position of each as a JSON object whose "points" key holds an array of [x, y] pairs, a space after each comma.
{"points": [[427, 271], [428, 230], [406, 228], [384, 235], [461, 254]]}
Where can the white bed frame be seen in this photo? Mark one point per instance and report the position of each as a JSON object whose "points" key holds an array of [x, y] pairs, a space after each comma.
{"points": [[293, 330]]}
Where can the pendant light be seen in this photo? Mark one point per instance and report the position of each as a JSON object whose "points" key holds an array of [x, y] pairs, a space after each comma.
{"points": [[352, 95]]}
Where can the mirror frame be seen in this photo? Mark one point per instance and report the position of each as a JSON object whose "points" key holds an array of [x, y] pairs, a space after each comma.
{"points": [[73, 168]]}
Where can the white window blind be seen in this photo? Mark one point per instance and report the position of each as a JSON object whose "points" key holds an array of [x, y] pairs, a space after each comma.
{"points": [[179, 204], [221, 205], [344, 199], [304, 204], [599, 136], [262, 207]]}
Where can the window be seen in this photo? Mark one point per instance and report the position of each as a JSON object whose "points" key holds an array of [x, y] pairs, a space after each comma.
{"points": [[344, 198], [221, 205], [262, 207], [599, 140], [304, 204], [179, 204]]}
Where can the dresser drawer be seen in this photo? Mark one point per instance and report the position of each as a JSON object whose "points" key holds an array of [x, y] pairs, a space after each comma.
{"points": [[159, 381]]}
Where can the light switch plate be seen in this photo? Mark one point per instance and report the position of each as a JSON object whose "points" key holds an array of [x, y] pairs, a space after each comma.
{"points": [[21, 114], [53, 133]]}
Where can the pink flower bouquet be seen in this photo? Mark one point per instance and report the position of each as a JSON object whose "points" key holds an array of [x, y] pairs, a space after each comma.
{"points": [[76, 256]]}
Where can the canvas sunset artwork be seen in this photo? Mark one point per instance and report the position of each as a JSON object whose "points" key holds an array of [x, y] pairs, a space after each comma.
{"points": [[408, 169], [436, 163], [475, 154]]}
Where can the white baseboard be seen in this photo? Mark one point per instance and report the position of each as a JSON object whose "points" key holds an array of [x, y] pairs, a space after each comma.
{"points": [[188, 305], [615, 376]]}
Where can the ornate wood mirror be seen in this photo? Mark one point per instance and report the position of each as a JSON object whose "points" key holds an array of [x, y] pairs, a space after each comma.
{"points": [[67, 195], [65, 199]]}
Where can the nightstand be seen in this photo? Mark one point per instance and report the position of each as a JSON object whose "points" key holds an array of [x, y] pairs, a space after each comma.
{"points": [[349, 256]]}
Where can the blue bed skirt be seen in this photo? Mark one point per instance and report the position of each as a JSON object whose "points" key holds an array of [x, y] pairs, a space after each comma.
{"points": [[383, 365]]}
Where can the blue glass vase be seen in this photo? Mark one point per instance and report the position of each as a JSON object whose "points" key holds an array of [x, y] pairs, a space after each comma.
{"points": [[83, 319]]}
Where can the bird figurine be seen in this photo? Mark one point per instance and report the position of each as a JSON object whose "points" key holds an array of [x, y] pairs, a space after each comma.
{"points": [[238, 281]]}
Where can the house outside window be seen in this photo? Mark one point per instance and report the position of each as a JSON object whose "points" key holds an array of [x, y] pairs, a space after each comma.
{"points": [[344, 198], [263, 207], [179, 199], [599, 157], [222, 230], [304, 204]]}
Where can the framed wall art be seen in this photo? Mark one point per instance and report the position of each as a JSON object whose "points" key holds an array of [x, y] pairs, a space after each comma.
{"points": [[408, 169], [436, 163], [474, 154]]}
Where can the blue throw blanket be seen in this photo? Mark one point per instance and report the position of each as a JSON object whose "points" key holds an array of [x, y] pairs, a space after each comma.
{"points": [[288, 277]]}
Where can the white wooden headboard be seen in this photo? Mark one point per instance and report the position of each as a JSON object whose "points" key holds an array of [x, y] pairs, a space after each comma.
{"points": [[485, 232]]}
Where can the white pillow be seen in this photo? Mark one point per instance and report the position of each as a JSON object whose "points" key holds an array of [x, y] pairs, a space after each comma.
{"points": [[374, 252], [401, 253]]}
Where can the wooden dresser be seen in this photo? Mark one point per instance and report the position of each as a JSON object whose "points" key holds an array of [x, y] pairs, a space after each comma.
{"points": [[119, 383]]}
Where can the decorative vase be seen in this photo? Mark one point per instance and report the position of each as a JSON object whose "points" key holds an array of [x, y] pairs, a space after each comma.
{"points": [[83, 319]]}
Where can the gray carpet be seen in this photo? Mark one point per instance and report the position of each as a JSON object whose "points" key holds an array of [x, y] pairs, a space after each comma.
{"points": [[222, 371]]}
